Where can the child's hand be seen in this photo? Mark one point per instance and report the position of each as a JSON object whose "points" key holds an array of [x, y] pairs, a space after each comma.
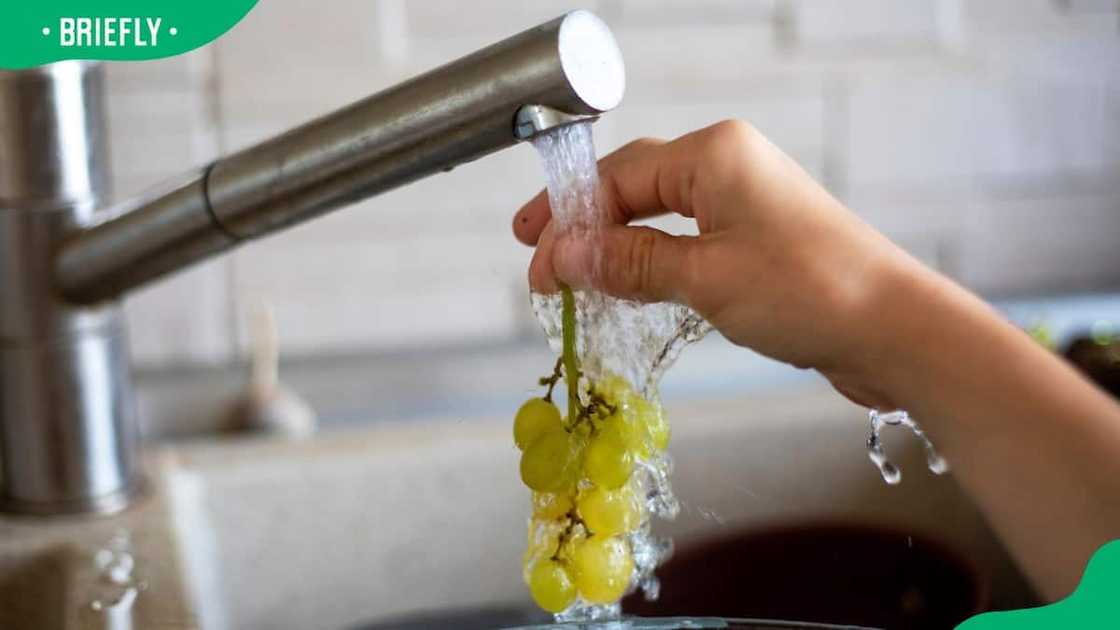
{"points": [[780, 266]]}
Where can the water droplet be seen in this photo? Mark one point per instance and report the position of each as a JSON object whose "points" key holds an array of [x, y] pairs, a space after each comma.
{"points": [[889, 471], [937, 464], [878, 455], [115, 586]]}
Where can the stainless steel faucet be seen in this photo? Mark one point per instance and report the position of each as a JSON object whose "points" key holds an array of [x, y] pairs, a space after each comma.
{"points": [[68, 430]]}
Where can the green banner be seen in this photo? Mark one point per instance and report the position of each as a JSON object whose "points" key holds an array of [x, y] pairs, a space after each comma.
{"points": [[1094, 604], [34, 32]]}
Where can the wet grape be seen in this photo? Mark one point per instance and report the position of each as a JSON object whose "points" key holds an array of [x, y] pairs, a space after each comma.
{"points": [[535, 418], [609, 462], [551, 505], [586, 500], [549, 462], [603, 565], [551, 586], [609, 512]]}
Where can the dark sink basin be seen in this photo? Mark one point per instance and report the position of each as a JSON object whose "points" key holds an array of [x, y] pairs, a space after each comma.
{"points": [[821, 573]]}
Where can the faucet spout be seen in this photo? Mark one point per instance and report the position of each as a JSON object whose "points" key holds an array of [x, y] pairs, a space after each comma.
{"points": [[564, 70], [536, 119]]}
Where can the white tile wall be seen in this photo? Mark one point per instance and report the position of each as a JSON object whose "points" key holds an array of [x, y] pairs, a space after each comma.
{"points": [[161, 123], [985, 16], [1046, 126], [491, 19], [687, 57], [627, 12], [984, 135], [793, 121], [1090, 6], [1067, 243], [946, 132], [913, 133], [873, 23]]}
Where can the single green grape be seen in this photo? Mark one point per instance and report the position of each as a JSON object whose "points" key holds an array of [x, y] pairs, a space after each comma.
{"points": [[635, 434], [551, 586], [609, 462], [603, 565], [544, 538], [653, 417], [549, 463], [535, 418], [609, 512], [544, 542], [614, 389], [642, 425], [551, 505]]}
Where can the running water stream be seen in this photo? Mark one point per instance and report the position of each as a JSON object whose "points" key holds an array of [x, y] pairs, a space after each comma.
{"points": [[635, 341]]}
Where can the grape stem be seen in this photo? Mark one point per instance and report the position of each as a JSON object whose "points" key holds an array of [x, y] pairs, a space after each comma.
{"points": [[570, 360], [568, 357], [598, 405], [552, 380], [573, 520]]}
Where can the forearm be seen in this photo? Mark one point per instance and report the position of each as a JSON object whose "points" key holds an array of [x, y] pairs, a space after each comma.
{"points": [[783, 268], [1036, 445]]}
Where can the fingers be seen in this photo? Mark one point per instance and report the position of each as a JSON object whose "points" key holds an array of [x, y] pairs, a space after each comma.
{"points": [[667, 178], [649, 177], [529, 221], [542, 277], [637, 263]]}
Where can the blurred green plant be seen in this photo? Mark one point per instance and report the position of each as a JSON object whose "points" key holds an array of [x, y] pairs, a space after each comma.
{"points": [[1043, 333]]}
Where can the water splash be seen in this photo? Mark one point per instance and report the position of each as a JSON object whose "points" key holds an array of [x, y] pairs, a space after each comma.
{"points": [[636, 341], [115, 585], [878, 455]]}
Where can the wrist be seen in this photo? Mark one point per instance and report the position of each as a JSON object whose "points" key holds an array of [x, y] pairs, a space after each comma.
{"points": [[924, 334], [898, 322]]}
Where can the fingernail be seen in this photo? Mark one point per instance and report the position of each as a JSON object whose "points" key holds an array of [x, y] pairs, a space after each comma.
{"points": [[571, 261]]}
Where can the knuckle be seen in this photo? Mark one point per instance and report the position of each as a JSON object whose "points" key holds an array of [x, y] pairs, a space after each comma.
{"points": [[729, 148], [730, 137], [733, 130], [641, 261], [538, 273], [642, 143]]}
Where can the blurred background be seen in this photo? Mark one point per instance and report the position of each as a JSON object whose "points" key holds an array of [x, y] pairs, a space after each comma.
{"points": [[982, 135]]}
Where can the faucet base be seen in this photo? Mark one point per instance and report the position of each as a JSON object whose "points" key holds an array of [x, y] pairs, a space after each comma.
{"points": [[68, 430], [102, 505], [69, 438]]}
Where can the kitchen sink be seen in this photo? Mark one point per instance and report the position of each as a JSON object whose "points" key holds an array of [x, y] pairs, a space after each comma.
{"points": [[33, 588], [120, 571], [822, 572], [425, 521]]}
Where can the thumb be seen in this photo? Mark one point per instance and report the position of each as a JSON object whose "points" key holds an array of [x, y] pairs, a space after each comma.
{"points": [[637, 263]]}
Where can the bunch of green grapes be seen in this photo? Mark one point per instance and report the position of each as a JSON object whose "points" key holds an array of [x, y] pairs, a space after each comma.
{"points": [[580, 468]]}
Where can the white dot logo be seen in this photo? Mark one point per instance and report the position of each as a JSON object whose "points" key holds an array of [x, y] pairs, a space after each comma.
{"points": [[173, 31], [46, 30]]}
